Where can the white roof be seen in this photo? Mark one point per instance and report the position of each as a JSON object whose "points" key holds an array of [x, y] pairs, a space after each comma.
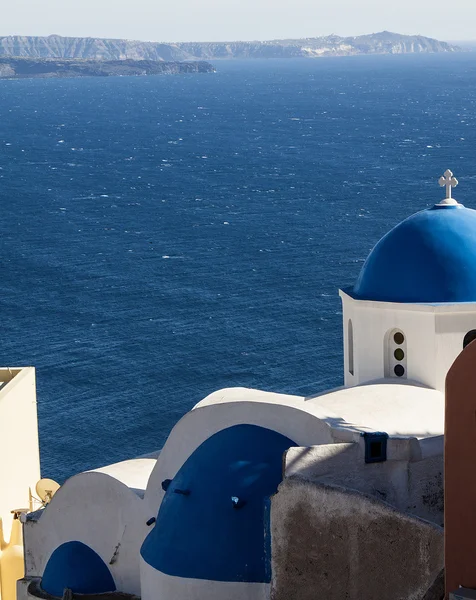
{"points": [[399, 409], [133, 473]]}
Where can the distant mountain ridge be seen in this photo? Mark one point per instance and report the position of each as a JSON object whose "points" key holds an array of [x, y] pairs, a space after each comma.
{"points": [[55, 46]]}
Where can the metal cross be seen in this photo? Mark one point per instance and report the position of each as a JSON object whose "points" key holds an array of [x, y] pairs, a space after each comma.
{"points": [[449, 182]]}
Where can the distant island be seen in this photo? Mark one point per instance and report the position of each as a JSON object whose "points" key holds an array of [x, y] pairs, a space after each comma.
{"points": [[20, 68], [55, 46]]}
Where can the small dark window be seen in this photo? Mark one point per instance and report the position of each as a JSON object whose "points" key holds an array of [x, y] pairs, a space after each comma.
{"points": [[350, 341], [469, 337], [375, 446], [399, 371], [375, 450], [395, 357], [399, 338], [399, 354]]}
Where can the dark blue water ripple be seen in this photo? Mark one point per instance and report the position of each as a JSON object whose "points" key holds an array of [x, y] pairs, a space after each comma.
{"points": [[164, 237]]}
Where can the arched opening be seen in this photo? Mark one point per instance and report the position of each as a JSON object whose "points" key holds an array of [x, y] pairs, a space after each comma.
{"points": [[469, 337], [75, 566], [395, 354], [213, 523], [350, 346]]}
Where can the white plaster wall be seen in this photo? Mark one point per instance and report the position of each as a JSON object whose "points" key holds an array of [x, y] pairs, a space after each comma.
{"points": [[100, 511], [132, 473], [19, 454], [196, 589], [371, 322], [434, 336]]}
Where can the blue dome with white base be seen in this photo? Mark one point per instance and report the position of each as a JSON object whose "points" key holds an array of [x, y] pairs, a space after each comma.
{"points": [[428, 258]]}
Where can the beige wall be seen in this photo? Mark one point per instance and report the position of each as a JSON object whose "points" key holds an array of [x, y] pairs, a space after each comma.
{"points": [[332, 543], [19, 448]]}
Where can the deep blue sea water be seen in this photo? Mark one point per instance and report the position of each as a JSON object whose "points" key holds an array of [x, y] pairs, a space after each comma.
{"points": [[165, 237]]}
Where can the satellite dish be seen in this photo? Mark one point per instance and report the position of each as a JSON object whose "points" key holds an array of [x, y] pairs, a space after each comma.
{"points": [[46, 489]]}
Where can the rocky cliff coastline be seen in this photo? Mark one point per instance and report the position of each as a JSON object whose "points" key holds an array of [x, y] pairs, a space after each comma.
{"points": [[19, 68], [56, 46]]}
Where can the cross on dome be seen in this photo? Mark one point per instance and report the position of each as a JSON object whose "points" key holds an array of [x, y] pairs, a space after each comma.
{"points": [[448, 181]]}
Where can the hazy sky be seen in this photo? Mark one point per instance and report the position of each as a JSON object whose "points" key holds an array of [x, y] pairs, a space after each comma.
{"points": [[215, 20]]}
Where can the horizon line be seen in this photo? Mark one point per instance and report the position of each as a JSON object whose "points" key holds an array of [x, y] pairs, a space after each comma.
{"points": [[236, 40]]}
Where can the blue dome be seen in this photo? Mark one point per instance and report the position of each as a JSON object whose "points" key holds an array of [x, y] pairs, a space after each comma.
{"points": [[78, 567], [430, 258], [200, 535]]}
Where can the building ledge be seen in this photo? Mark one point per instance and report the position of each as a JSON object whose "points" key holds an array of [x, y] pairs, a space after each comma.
{"points": [[34, 590]]}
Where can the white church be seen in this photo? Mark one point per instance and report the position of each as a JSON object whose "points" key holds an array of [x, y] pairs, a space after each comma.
{"points": [[259, 495]]}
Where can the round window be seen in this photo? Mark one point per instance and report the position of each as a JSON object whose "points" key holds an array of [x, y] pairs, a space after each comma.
{"points": [[399, 371], [399, 338], [399, 354]]}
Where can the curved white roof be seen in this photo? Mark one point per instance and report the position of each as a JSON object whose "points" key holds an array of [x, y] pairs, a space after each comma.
{"points": [[401, 410]]}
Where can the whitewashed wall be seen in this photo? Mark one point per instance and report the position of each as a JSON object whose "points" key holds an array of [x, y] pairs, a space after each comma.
{"points": [[101, 511], [434, 338]]}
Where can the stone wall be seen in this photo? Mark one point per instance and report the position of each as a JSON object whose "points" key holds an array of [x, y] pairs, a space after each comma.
{"points": [[408, 481], [332, 543]]}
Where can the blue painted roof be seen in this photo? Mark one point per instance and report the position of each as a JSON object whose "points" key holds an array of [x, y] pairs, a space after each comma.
{"points": [[428, 258], [78, 567], [200, 533]]}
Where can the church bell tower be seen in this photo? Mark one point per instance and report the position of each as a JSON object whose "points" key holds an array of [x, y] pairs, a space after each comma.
{"points": [[413, 307]]}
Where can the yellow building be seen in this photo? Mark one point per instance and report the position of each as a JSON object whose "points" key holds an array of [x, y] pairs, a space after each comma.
{"points": [[19, 468]]}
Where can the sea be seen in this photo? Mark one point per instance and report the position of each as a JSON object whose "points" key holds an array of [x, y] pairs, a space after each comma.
{"points": [[165, 237]]}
